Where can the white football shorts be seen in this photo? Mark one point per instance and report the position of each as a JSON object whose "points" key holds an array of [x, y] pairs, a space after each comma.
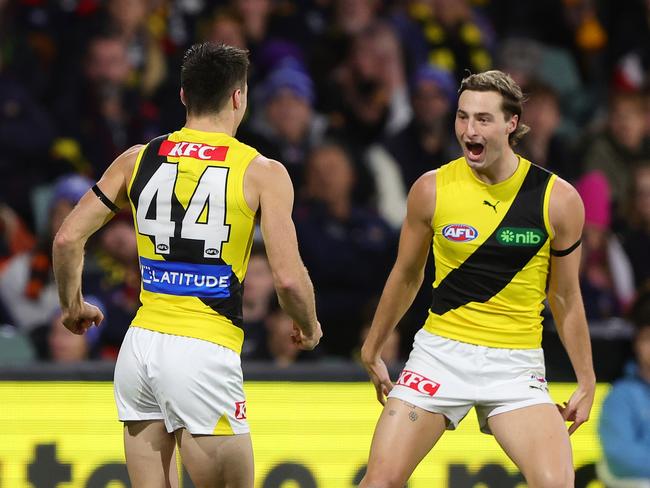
{"points": [[188, 383], [450, 377]]}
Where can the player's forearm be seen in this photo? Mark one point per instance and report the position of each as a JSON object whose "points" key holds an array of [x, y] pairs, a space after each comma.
{"points": [[296, 296], [397, 297], [67, 261], [574, 333]]}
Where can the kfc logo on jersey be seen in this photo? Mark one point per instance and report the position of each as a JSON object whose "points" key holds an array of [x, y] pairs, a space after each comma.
{"points": [[193, 150], [418, 382], [240, 410], [459, 232]]}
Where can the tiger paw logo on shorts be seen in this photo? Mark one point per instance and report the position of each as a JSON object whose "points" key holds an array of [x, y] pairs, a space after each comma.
{"points": [[240, 410], [418, 382]]}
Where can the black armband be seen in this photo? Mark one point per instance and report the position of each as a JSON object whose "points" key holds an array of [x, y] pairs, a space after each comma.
{"points": [[105, 200], [566, 251]]}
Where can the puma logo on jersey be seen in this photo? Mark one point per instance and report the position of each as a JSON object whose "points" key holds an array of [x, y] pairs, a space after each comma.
{"points": [[193, 150], [494, 207]]}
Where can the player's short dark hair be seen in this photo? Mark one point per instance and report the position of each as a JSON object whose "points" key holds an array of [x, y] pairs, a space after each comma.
{"points": [[209, 74], [513, 98]]}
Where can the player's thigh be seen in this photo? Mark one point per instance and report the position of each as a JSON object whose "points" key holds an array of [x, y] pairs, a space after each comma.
{"points": [[150, 454], [537, 441], [403, 436], [212, 461]]}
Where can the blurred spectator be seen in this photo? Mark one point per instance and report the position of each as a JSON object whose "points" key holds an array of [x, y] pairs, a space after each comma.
{"points": [[226, 27], [280, 348], [133, 22], [447, 33], [346, 249], [544, 145], [425, 144], [26, 135], [369, 95], [27, 286], [625, 417], [100, 111], [15, 238], [606, 278], [615, 148], [255, 15], [287, 127], [257, 297], [636, 238], [112, 275], [63, 345], [349, 18], [391, 351]]}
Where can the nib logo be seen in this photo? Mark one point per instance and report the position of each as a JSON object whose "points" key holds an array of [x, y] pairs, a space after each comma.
{"points": [[520, 236], [418, 382]]}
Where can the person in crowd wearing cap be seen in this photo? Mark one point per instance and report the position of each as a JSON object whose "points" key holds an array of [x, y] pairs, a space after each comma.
{"points": [[501, 228], [624, 427], [606, 276], [27, 285], [287, 127], [195, 195]]}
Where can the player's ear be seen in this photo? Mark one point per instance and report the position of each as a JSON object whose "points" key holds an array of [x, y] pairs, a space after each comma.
{"points": [[512, 124], [237, 99], [182, 93]]}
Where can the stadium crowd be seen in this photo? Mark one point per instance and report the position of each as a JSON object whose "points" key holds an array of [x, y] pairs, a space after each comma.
{"points": [[357, 99]]}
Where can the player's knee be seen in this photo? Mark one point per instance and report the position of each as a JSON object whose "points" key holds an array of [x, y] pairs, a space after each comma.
{"points": [[553, 478], [381, 478]]}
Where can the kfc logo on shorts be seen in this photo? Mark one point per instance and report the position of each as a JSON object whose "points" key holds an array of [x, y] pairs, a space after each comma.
{"points": [[240, 410], [418, 382]]}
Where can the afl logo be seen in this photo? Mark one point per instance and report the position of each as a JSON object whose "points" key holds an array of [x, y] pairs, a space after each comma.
{"points": [[459, 232], [162, 247], [212, 251]]}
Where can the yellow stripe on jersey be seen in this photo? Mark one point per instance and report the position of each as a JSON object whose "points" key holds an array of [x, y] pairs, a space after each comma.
{"points": [[194, 232], [491, 248]]}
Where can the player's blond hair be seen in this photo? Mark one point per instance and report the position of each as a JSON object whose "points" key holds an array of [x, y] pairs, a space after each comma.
{"points": [[511, 94]]}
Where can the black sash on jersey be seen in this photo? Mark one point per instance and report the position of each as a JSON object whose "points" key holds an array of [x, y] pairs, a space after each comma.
{"points": [[186, 250], [492, 266]]}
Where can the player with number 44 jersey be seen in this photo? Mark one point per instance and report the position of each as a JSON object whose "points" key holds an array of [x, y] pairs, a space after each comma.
{"points": [[195, 195]]}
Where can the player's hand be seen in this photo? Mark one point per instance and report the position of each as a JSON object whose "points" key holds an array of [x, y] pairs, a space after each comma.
{"points": [[379, 376], [577, 409], [78, 320], [304, 341]]}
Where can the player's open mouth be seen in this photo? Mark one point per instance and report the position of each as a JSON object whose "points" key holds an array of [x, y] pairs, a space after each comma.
{"points": [[474, 150]]}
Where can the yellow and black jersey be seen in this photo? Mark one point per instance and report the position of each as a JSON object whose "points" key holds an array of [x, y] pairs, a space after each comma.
{"points": [[194, 231], [491, 247]]}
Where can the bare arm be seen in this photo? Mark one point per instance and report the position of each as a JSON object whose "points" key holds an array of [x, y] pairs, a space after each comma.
{"points": [[567, 219], [404, 280], [292, 283], [86, 218]]}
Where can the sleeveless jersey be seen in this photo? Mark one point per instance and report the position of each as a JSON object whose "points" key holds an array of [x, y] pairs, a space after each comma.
{"points": [[194, 231], [491, 247]]}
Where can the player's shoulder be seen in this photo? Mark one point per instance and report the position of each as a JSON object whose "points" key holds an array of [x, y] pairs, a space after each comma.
{"points": [[564, 195], [422, 197], [267, 167]]}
